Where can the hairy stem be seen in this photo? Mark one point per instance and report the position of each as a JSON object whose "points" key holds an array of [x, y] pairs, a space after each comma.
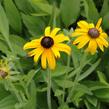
{"points": [[49, 90]]}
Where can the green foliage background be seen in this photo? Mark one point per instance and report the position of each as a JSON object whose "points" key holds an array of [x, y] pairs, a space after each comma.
{"points": [[79, 82]]}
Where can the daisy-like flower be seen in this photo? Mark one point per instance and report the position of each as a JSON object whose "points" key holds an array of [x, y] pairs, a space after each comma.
{"points": [[4, 69], [48, 47], [91, 35]]}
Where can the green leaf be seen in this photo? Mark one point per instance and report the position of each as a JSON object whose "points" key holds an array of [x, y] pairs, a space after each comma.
{"points": [[58, 92], [80, 91], [64, 106], [85, 10], [83, 62], [92, 100], [64, 83], [75, 56], [89, 71], [11, 11], [26, 63], [102, 77], [60, 70], [95, 85], [44, 6], [35, 25], [77, 97], [105, 20], [39, 14], [105, 8], [32, 100], [40, 1], [102, 94], [70, 10], [3, 92], [89, 106], [83, 88], [4, 25], [3, 47], [8, 102], [93, 14], [17, 44], [24, 6], [41, 101], [30, 76]]}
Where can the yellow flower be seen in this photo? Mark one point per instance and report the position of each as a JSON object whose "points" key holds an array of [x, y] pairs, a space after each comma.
{"points": [[4, 69], [48, 47], [91, 35]]}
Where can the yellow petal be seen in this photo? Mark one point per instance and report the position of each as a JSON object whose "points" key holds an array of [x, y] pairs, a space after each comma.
{"points": [[56, 52], [83, 42], [51, 60], [103, 34], [43, 60], [91, 25], [60, 38], [79, 39], [38, 53], [54, 32], [32, 53], [64, 48], [83, 24], [100, 44], [47, 31], [92, 46], [99, 23], [105, 43], [81, 30], [100, 30], [75, 34], [32, 44]]}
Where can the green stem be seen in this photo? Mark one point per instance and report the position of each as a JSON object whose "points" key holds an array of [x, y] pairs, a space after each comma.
{"points": [[84, 58], [75, 60], [73, 87], [49, 90], [68, 64]]}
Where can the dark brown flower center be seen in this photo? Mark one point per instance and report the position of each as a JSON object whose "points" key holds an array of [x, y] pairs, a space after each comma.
{"points": [[93, 33], [3, 74], [47, 42]]}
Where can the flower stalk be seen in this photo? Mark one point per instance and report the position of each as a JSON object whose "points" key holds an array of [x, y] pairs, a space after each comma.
{"points": [[49, 89]]}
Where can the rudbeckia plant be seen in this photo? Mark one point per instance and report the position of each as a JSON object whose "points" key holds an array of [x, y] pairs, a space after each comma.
{"points": [[54, 54], [48, 47], [92, 35]]}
